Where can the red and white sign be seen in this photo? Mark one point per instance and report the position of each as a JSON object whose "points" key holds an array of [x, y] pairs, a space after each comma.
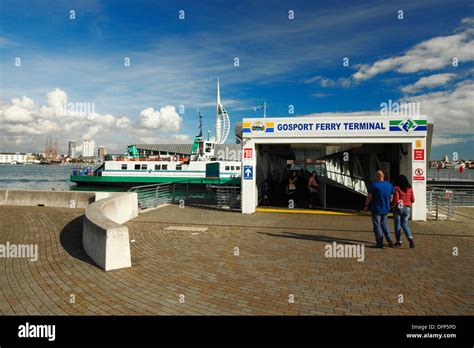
{"points": [[247, 153], [418, 174], [419, 154]]}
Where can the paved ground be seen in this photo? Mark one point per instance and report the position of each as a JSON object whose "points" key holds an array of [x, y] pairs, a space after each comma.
{"points": [[279, 255]]}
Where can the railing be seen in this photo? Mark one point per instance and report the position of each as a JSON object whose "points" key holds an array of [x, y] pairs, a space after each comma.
{"points": [[86, 170], [351, 182], [185, 193], [228, 197], [449, 175], [442, 203]]}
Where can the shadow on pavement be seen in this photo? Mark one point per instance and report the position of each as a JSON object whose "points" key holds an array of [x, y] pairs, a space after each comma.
{"points": [[71, 240], [318, 238]]}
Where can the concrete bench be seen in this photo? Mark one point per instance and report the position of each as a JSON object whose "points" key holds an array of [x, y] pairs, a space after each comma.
{"points": [[104, 239]]}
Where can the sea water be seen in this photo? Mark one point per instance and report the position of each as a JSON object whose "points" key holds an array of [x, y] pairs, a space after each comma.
{"points": [[42, 177]]}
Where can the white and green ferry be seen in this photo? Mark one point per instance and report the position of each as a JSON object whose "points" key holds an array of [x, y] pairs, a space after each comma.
{"points": [[200, 164], [201, 167]]}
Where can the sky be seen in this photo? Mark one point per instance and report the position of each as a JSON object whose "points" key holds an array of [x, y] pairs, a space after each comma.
{"points": [[143, 68]]}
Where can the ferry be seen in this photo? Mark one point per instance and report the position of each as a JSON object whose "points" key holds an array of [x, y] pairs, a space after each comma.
{"points": [[201, 166]]}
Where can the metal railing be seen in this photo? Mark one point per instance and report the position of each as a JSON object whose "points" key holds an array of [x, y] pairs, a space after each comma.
{"points": [[442, 203], [449, 175], [349, 181], [185, 193]]}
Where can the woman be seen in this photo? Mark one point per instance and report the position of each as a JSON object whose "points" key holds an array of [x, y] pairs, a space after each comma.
{"points": [[291, 188], [401, 212], [313, 187]]}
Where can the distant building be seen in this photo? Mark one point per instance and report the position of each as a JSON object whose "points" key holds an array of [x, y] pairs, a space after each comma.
{"points": [[12, 157], [102, 151], [72, 150], [88, 148], [229, 152]]}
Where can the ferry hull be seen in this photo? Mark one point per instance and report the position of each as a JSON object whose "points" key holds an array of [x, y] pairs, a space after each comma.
{"points": [[135, 180]]}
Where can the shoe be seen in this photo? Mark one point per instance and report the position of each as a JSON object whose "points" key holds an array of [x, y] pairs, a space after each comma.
{"points": [[379, 246], [398, 244], [412, 245], [390, 244]]}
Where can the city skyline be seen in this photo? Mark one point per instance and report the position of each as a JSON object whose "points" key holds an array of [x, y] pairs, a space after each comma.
{"points": [[125, 77]]}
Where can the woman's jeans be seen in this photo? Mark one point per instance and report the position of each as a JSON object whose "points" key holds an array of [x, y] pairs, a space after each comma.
{"points": [[400, 217]]}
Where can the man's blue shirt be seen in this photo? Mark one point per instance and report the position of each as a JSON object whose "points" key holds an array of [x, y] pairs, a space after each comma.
{"points": [[381, 191]]}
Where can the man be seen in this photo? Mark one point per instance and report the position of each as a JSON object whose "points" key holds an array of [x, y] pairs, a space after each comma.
{"points": [[380, 195]]}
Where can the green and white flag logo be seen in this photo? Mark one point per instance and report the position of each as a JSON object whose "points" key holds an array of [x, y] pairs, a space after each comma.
{"points": [[407, 125]]}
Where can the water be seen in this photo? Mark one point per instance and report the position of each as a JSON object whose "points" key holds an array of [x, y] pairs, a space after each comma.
{"points": [[48, 177], [42, 177]]}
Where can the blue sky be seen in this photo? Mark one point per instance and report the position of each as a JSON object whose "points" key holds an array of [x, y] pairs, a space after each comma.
{"points": [[176, 62]]}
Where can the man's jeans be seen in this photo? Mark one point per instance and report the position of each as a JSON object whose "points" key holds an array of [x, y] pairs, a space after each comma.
{"points": [[380, 226], [400, 218]]}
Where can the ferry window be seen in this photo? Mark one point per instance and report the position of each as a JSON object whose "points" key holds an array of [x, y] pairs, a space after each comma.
{"points": [[124, 167], [178, 167], [157, 167], [226, 167], [232, 168], [164, 167], [208, 147], [144, 167], [238, 168], [137, 166]]}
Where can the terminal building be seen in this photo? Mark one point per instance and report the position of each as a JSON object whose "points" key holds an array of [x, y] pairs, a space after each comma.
{"points": [[345, 151]]}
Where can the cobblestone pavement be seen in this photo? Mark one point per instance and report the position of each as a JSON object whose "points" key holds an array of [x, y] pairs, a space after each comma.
{"points": [[280, 257]]}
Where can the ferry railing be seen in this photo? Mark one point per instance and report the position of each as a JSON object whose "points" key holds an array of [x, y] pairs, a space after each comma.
{"points": [[150, 196], [186, 193]]}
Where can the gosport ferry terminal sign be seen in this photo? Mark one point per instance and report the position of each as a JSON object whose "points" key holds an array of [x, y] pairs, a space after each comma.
{"points": [[315, 126]]}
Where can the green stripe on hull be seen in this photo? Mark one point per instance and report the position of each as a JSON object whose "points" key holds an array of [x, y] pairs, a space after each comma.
{"points": [[84, 179]]}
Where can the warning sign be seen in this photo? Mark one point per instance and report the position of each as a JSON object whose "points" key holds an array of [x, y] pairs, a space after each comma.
{"points": [[247, 153], [418, 174], [419, 143], [419, 155]]}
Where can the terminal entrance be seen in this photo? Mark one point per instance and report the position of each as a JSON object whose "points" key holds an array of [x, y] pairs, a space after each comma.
{"points": [[345, 152], [343, 173]]}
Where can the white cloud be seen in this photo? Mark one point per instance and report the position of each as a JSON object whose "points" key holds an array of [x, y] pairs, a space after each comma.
{"points": [[26, 124], [15, 114], [24, 102], [182, 138], [446, 140], [57, 98], [123, 122], [326, 82], [167, 119], [432, 54], [451, 111], [428, 82]]}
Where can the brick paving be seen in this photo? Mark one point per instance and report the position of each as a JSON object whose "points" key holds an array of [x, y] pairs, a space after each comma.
{"points": [[280, 255]]}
